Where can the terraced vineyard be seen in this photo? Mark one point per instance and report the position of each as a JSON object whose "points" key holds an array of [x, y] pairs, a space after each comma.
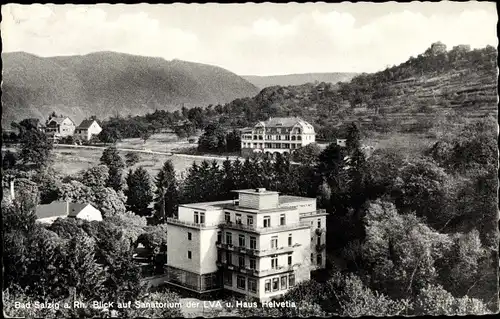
{"points": [[424, 100]]}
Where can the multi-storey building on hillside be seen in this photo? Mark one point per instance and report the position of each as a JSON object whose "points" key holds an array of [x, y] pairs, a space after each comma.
{"points": [[259, 245], [277, 135]]}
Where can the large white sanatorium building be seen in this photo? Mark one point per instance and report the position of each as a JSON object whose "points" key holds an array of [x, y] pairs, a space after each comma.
{"points": [[277, 135], [259, 245]]}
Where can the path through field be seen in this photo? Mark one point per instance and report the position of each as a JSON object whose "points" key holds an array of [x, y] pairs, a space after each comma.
{"points": [[207, 157]]}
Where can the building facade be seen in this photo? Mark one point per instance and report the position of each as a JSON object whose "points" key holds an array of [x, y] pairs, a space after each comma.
{"points": [[87, 129], [259, 245], [59, 127], [277, 135]]}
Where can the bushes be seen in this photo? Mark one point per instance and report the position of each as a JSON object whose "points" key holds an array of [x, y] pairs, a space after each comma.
{"points": [[215, 139]]}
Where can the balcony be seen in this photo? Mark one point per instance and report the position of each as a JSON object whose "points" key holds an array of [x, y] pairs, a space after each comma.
{"points": [[258, 252], [228, 266], [319, 212], [263, 230], [225, 246], [176, 221], [256, 272], [277, 270]]}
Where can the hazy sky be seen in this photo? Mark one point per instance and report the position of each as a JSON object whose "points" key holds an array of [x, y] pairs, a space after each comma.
{"points": [[253, 39]]}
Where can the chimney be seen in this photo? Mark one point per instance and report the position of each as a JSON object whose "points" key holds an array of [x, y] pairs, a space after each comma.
{"points": [[12, 192]]}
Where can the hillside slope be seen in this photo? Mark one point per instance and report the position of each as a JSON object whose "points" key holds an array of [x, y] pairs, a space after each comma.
{"points": [[297, 79], [411, 97], [110, 83]]}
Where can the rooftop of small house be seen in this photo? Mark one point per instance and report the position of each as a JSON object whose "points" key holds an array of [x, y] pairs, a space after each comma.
{"points": [[59, 208], [85, 124], [56, 119]]}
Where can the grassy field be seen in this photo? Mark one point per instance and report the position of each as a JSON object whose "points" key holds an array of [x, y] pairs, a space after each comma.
{"points": [[408, 144], [71, 160], [162, 142]]}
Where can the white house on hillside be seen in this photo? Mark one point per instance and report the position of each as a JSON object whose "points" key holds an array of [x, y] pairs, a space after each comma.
{"points": [[87, 129]]}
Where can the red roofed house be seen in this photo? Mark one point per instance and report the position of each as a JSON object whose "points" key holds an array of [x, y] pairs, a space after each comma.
{"points": [[87, 129], [48, 213]]}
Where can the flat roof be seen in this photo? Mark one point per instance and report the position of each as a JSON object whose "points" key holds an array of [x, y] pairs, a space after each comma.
{"points": [[215, 205], [284, 199], [254, 210], [254, 191]]}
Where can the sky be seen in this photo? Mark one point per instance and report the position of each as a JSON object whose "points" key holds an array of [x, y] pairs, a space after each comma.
{"points": [[253, 39]]}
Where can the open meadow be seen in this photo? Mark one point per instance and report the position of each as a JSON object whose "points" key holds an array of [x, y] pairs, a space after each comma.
{"points": [[71, 160], [160, 142]]}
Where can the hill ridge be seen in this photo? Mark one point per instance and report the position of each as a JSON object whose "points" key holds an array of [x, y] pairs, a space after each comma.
{"points": [[104, 83]]}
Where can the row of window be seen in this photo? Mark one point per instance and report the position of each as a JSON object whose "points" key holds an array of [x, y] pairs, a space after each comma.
{"points": [[274, 283], [241, 240], [250, 220], [241, 282], [279, 137], [271, 145], [253, 240], [270, 285], [252, 261]]}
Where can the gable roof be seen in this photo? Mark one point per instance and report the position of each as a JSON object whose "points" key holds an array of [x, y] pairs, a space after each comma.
{"points": [[76, 208], [54, 209], [59, 209], [86, 124], [58, 119], [283, 121]]}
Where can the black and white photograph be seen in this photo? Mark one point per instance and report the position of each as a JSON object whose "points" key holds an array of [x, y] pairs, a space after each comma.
{"points": [[252, 159]]}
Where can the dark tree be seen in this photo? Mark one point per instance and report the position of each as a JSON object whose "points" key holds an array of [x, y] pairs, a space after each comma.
{"points": [[109, 134], [9, 160], [229, 183], [213, 139], [112, 159], [167, 192], [139, 193], [307, 154], [233, 141], [35, 148], [131, 158]]}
